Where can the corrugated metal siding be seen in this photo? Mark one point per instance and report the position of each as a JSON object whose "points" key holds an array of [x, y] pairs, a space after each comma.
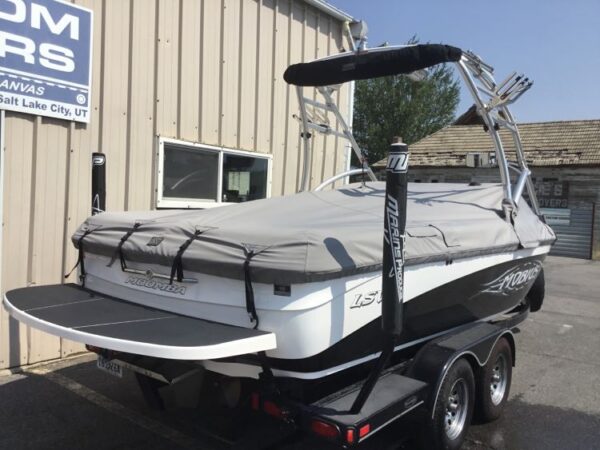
{"points": [[203, 71], [575, 239]]}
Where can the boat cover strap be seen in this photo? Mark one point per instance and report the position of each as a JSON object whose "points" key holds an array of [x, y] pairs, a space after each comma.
{"points": [[250, 306], [177, 267], [372, 63], [122, 241], [80, 258]]}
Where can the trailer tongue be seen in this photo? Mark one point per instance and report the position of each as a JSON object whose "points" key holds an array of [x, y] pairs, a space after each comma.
{"points": [[76, 313]]}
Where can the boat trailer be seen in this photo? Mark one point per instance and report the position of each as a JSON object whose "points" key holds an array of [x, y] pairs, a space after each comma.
{"points": [[421, 386]]}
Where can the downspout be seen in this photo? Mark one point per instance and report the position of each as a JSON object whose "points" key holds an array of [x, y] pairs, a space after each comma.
{"points": [[98, 183], [348, 152], [593, 237], [2, 132], [348, 156]]}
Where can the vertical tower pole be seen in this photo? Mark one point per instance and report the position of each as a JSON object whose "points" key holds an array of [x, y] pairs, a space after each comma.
{"points": [[396, 190], [392, 289]]}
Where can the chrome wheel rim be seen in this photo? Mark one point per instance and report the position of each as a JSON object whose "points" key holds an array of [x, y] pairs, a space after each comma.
{"points": [[499, 379], [457, 404]]}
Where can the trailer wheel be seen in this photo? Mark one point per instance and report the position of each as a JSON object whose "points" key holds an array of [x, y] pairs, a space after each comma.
{"points": [[447, 427], [493, 383]]}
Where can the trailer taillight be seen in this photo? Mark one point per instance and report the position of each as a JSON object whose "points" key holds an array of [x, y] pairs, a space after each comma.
{"points": [[272, 409], [255, 401], [350, 436], [325, 429], [364, 430]]}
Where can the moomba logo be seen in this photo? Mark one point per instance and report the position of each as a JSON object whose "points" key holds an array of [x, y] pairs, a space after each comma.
{"points": [[514, 279], [150, 283]]}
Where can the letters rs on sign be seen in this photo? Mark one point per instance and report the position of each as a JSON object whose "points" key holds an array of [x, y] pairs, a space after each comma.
{"points": [[397, 162], [45, 58]]}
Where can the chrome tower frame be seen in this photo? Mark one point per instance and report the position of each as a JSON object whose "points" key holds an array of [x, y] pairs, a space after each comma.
{"points": [[492, 100], [318, 121]]}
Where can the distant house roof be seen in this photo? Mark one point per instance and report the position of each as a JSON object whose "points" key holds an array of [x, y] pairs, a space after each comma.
{"points": [[573, 142]]}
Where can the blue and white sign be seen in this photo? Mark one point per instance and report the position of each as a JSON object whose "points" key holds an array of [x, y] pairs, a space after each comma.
{"points": [[46, 58]]}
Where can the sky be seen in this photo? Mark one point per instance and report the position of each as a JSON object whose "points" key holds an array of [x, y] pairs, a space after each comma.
{"points": [[554, 42]]}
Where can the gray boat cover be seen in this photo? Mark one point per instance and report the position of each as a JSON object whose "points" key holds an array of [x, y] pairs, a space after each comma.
{"points": [[314, 236]]}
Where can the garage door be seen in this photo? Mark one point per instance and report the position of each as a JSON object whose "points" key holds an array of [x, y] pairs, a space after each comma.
{"points": [[574, 234]]}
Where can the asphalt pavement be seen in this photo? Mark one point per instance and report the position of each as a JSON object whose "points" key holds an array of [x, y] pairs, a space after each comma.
{"points": [[554, 401]]}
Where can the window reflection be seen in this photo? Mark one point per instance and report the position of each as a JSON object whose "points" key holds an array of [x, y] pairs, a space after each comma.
{"points": [[244, 178]]}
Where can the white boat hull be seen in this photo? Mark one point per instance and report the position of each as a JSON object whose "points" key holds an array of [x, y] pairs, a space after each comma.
{"points": [[312, 319]]}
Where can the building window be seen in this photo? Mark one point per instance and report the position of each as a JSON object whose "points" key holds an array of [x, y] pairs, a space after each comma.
{"points": [[244, 178], [189, 173], [202, 176]]}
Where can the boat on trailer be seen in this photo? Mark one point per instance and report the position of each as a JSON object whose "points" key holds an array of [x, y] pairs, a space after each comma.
{"points": [[310, 286]]}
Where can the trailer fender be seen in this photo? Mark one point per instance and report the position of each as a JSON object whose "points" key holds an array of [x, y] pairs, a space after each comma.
{"points": [[474, 344]]}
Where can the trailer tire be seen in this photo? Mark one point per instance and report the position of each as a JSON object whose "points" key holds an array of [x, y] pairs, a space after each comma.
{"points": [[448, 425], [493, 383]]}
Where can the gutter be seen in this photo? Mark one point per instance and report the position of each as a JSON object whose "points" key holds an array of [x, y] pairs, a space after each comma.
{"points": [[328, 8], [2, 163]]}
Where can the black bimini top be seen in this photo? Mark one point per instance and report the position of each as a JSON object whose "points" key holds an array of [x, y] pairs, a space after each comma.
{"points": [[373, 63]]}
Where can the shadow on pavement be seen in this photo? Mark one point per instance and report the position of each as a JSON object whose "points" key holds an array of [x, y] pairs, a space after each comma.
{"points": [[537, 427]]}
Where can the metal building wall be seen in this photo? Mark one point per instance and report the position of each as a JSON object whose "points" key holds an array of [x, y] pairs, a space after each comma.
{"points": [[575, 239], [204, 71]]}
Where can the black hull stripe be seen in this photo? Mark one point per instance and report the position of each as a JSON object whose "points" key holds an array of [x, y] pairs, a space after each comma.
{"points": [[463, 301]]}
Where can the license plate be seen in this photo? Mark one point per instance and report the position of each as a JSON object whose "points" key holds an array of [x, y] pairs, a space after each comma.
{"points": [[109, 366]]}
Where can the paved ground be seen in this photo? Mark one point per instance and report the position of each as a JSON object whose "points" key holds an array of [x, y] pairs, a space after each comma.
{"points": [[555, 398], [555, 395]]}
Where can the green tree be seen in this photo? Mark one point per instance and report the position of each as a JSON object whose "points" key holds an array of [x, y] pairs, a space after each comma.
{"points": [[398, 106]]}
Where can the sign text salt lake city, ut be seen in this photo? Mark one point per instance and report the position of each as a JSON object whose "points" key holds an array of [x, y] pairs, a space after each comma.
{"points": [[45, 58]]}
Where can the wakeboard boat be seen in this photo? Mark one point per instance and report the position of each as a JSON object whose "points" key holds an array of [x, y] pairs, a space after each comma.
{"points": [[298, 283]]}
